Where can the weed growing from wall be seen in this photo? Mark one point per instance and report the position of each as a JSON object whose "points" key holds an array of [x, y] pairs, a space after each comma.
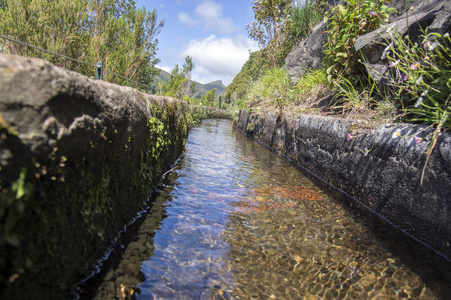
{"points": [[158, 135], [195, 114]]}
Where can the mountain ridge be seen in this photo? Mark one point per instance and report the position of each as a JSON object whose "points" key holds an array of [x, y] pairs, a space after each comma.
{"points": [[200, 90]]}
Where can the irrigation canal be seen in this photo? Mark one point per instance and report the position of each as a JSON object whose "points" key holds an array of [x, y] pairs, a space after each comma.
{"points": [[236, 221]]}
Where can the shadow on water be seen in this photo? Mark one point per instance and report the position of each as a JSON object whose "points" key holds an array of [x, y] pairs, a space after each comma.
{"points": [[237, 221]]}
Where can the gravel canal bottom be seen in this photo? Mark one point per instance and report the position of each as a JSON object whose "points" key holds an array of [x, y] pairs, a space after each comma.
{"points": [[236, 221]]}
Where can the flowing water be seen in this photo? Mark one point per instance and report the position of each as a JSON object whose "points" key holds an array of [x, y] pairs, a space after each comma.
{"points": [[236, 221]]}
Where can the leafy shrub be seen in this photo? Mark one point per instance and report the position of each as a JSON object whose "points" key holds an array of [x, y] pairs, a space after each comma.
{"points": [[346, 23]]}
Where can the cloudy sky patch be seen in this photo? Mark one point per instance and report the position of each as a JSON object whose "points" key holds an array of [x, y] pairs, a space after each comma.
{"points": [[208, 16], [213, 32], [214, 55]]}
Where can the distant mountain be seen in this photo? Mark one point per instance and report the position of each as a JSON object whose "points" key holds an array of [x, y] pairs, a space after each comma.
{"points": [[200, 90]]}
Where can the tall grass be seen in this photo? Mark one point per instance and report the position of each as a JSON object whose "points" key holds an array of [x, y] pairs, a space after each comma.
{"points": [[312, 86], [274, 88], [305, 14]]}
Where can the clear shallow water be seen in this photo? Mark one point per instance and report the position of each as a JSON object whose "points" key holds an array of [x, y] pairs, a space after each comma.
{"points": [[239, 222]]}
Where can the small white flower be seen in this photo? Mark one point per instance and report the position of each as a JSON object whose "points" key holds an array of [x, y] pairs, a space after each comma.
{"points": [[424, 93], [386, 51], [419, 101], [446, 35], [420, 79], [433, 46], [394, 63], [396, 134]]}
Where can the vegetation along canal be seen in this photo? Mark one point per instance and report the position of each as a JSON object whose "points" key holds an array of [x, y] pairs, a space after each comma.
{"points": [[236, 221]]}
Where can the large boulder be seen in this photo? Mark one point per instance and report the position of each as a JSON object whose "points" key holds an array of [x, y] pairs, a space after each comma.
{"points": [[308, 54]]}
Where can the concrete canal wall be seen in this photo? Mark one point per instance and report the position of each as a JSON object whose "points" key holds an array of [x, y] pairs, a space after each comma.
{"points": [[78, 160], [381, 168]]}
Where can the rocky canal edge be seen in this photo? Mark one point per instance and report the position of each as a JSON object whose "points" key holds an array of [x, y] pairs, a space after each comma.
{"points": [[376, 172], [78, 160]]}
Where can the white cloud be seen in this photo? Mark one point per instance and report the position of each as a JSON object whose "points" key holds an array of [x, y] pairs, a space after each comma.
{"points": [[186, 19], [218, 59], [167, 69], [208, 15]]}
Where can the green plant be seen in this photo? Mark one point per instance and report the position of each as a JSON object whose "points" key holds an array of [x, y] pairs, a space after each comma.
{"points": [[274, 88], [345, 24], [312, 86], [351, 99], [158, 135], [210, 97], [421, 76], [272, 28], [196, 113], [115, 32]]}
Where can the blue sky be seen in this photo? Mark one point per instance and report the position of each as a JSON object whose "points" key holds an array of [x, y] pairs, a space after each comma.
{"points": [[212, 32]]}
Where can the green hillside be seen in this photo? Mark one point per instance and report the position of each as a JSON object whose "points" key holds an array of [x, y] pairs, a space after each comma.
{"points": [[200, 90]]}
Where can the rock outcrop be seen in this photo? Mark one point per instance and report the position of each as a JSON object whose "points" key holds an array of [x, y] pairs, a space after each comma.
{"points": [[78, 160], [308, 54]]}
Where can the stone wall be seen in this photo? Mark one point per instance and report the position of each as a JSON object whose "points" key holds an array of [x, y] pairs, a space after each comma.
{"points": [[381, 168], [78, 160]]}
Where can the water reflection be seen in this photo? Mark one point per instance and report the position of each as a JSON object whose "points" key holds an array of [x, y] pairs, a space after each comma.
{"points": [[242, 223]]}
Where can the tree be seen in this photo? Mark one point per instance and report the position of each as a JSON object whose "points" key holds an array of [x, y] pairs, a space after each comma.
{"points": [[179, 84], [187, 87], [271, 27], [210, 97], [174, 87], [115, 32]]}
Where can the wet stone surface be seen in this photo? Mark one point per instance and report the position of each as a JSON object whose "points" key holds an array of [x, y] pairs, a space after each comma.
{"points": [[238, 222]]}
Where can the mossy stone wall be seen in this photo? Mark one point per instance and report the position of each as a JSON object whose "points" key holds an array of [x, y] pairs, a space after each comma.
{"points": [[78, 160]]}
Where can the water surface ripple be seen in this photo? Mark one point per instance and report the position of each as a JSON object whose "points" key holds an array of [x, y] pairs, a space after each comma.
{"points": [[242, 223]]}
